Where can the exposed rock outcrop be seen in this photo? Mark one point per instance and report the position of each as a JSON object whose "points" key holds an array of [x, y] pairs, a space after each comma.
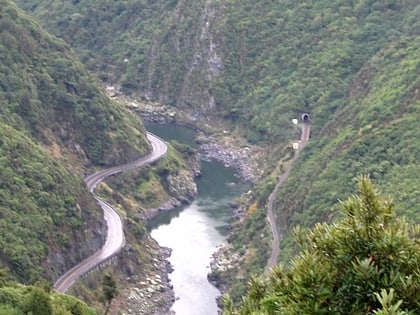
{"points": [[93, 239], [152, 294], [243, 158], [182, 185]]}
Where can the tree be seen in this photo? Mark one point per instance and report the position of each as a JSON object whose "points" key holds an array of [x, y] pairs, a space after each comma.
{"points": [[109, 290], [2, 278], [366, 263], [38, 302]]}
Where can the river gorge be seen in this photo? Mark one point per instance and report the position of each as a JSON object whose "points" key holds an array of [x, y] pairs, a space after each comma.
{"points": [[195, 231]]}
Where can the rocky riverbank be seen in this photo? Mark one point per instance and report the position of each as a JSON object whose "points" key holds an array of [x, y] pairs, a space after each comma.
{"points": [[214, 143], [182, 188], [222, 261], [243, 158], [153, 293]]}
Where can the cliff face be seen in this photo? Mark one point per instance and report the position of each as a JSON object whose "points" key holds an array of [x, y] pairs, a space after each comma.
{"points": [[54, 121]]}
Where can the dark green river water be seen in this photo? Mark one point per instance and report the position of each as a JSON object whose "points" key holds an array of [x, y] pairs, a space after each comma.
{"points": [[195, 231]]}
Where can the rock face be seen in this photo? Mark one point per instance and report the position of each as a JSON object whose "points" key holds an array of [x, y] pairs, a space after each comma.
{"points": [[93, 239], [182, 185], [158, 113], [222, 261], [243, 158], [151, 295]]}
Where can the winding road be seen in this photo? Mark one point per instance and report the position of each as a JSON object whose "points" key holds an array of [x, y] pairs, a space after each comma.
{"points": [[115, 239], [277, 236]]}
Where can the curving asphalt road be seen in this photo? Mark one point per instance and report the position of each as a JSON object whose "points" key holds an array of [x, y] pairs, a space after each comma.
{"points": [[115, 235], [275, 249]]}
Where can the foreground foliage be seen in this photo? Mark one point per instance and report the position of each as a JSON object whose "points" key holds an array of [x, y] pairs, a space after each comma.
{"points": [[366, 262], [16, 299]]}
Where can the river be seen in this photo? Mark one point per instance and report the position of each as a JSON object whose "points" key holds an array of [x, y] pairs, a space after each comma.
{"points": [[195, 231]]}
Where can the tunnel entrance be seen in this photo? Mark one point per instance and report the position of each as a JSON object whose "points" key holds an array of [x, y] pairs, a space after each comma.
{"points": [[305, 117]]}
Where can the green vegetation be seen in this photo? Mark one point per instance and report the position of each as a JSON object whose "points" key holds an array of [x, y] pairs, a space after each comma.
{"points": [[16, 299], [149, 186], [114, 38], [360, 139], [286, 57], [365, 139], [109, 290], [38, 212], [54, 120], [46, 92], [366, 263], [277, 58], [353, 65]]}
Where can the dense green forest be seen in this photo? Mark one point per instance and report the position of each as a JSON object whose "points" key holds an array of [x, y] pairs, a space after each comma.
{"points": [[353, 65], [49, 94], [55, 121], [41, 209], [261, 62], [374, 134], [365, 263], [17, 299]]}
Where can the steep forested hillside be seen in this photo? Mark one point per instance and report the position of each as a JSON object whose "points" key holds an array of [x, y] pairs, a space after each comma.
{"points": [[48, 94], [376, 134], [253, 62], [54, 121], [45, 211], [353, 65]]}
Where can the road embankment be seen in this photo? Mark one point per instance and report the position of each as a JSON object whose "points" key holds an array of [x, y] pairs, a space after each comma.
{"points": [[115, 239]]}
